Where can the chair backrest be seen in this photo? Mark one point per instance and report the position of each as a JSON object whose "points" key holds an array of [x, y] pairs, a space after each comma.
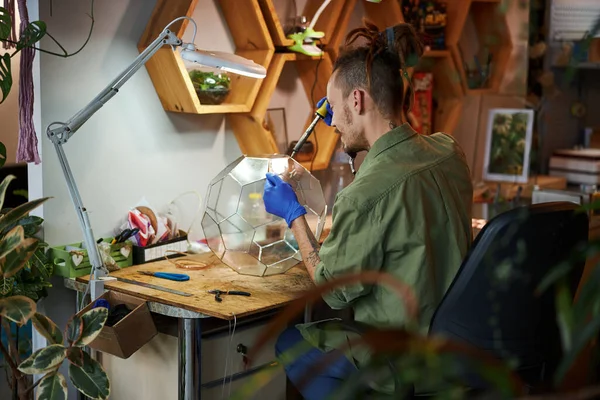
{"points": [[491, 303]]}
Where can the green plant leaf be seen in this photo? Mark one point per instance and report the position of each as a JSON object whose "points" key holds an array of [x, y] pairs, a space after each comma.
{"points": [[2, 161], [18, 309], [17, 259], [44, 359], [75, 356], [91, 380], [5, 76], [93, 322], [74, 329], [11, 240], [15, 214], [52, 387], [47, 328], [589, 332], [32, 34], [564, 315], [5, 24], [5, 183], [6, 286]]}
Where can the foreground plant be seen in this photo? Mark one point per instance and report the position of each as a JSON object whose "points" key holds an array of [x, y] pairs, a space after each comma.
{"points": [[85, 373]]}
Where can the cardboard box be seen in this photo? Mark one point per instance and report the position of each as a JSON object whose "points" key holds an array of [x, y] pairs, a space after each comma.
{"points": [[129, 334]]}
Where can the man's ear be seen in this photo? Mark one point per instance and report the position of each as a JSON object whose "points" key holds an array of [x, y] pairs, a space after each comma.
{"points": [[358, 101]]}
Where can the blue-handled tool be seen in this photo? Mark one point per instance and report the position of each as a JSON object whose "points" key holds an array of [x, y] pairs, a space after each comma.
{"points": [[167, 275]]}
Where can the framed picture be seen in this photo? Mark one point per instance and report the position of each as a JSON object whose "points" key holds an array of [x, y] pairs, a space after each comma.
{"points": [[508, 145], [276, 123]]}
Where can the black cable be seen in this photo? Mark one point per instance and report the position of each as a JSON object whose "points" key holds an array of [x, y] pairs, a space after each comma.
{"points": [[314, 107]]}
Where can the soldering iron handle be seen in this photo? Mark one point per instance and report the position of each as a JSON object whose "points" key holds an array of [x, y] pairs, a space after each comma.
{"points": [[319, 114]]}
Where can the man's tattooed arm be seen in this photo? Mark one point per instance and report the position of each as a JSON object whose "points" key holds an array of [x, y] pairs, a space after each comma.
{"points": [[309, 245]]}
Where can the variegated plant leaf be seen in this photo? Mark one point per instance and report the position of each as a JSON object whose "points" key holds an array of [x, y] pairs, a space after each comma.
{"points": [[6, 286], [2, 162], [5, 23], [74, 329], [91, 380], [18, 309], [93, 322], [52, 387], [15, 214], [6, 181], [11, 240], [32, 34], [47, 328], [5, 76], [75, 355], [17, 259], [44, 359]]}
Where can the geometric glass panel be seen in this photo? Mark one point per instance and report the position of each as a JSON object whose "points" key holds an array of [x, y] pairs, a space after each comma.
{"points": [[240, 231]]}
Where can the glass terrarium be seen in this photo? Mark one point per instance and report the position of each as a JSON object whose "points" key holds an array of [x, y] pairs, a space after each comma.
{"points": [[241, 232], [212, 88]]}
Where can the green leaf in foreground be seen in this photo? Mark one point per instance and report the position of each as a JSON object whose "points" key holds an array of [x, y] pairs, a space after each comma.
{"points": [[44, 360], [93, 322], [47, 328], [5, 80], [52, 387], [91, 380], [18, 309]]}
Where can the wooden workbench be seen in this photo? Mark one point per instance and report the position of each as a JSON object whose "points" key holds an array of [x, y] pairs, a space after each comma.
{"points": [[266, 292]]}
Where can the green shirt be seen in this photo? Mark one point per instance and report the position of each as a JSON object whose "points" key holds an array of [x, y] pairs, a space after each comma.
{"points": [[407, 213]]}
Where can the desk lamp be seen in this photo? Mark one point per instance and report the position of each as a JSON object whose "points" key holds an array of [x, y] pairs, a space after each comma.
{"points": [[60, 132]]}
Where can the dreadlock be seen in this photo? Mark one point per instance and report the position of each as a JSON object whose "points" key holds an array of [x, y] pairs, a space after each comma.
{"points": [[380, 64]]}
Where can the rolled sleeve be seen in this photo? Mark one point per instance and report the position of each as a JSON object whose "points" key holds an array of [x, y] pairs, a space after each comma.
{"points": [[354, 244]]}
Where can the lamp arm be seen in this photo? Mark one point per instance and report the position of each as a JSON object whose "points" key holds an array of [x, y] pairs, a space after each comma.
{"points": [[68, 129], [60, 132]]}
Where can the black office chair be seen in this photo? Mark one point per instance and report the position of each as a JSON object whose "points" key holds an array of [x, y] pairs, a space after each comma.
{"points": [[491, 303]]}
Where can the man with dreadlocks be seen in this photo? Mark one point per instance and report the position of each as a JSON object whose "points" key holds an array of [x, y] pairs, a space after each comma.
{"points": [[407, 213]]}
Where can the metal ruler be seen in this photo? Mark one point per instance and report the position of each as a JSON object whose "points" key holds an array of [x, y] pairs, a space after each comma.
{"points": [[155, 287]]}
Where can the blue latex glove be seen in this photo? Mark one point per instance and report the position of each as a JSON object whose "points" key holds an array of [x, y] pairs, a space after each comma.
{"points": [[329, 116], [281, 200]]}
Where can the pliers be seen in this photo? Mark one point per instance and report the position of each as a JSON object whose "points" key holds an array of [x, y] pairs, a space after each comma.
{"points": [[218, 293]]}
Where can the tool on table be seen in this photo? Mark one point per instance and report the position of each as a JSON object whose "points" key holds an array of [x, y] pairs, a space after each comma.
{"points": [[218, 293], [167, 275], [123, 236], [148, 285], [319, 114]]}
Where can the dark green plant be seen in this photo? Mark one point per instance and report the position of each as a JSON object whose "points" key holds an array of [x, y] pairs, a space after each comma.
{"points": [[2, 154], [17, 252], [209, 80]]}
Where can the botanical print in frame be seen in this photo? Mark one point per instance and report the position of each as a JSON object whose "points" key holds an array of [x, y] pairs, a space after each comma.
{"points": [[508, 145]]}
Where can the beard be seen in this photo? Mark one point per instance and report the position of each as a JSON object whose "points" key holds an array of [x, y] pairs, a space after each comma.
{"points": [[354, 141]]}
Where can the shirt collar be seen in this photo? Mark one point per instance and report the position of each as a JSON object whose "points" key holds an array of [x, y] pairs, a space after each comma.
{"points": [[397, 135]]}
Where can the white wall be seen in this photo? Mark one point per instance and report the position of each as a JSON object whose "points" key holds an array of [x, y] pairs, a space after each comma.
{"points": [[132, 147]]}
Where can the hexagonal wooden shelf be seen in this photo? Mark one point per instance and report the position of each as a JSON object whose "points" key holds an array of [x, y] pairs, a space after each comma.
{"points": [[169, 74], [250, 128], [479, 25], [448, 91], [326, 22]]}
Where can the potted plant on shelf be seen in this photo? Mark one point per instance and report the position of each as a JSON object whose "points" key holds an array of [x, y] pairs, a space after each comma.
{"points": [[211, 88]]}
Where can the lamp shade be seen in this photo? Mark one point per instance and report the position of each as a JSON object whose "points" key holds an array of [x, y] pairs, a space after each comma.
{"points": [[241, 232], [223, 61]]}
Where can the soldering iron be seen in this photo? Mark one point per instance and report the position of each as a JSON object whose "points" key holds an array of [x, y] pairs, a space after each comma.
{"points": [[319, 114]]}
